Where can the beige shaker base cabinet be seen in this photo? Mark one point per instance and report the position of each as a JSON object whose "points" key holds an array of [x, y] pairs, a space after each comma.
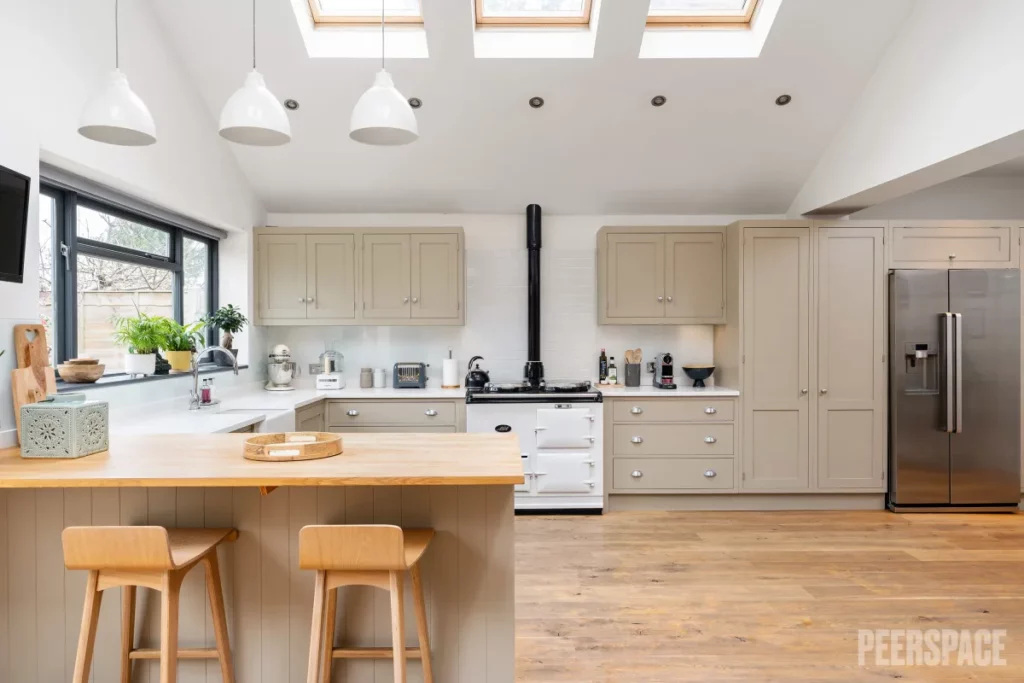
{"points": [[324, 276], [661, 276], [468, 578]]}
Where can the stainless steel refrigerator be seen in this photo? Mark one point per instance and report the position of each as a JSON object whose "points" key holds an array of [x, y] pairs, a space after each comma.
{"points": [[954, 390]]}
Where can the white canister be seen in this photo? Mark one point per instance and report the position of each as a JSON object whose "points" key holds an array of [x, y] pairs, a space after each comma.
{"points": [[379, 379]]}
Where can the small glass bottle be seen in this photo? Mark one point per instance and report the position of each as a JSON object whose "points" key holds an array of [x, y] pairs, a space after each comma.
{"points": [[204, 393], [613, 373]]}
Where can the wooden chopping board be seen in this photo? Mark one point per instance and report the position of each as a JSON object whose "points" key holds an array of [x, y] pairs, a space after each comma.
{"points": [[32, 352], [25, 390]]}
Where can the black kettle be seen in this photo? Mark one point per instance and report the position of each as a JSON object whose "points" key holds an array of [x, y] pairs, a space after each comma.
{"points": [[476, 378]]}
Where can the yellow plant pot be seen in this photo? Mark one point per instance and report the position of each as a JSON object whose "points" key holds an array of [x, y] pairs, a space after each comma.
{"points": [[181, 361]]}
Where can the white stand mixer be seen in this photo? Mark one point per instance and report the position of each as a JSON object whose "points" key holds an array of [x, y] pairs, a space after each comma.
{"points": [[280, 369]]}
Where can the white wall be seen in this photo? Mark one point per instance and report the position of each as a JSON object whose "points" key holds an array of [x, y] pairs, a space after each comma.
{"points": [[496, 311], [52, 56], [968, 198]]}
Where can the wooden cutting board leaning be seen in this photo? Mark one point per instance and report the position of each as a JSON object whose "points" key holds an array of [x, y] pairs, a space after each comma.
{"points": [[34, 378]]}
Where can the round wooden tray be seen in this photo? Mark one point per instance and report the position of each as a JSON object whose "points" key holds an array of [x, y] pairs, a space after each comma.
{"points": [[284, 447]]}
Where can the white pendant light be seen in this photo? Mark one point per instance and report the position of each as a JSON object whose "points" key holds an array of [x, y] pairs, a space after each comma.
{"points": [[382, 116], [116, 115], [253, 116]]}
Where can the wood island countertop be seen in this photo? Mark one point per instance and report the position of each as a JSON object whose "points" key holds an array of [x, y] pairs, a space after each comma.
{"points": [[209, 460]]}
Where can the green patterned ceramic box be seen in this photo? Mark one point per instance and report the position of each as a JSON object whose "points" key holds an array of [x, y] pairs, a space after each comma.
{"points": [[64, 426]]}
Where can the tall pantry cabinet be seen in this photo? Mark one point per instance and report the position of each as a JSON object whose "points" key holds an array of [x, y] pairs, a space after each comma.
{"points": [[806, 347]]}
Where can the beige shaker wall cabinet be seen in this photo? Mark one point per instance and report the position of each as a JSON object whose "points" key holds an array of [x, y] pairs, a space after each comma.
{"points": [[661, 276], [805, 344], [393, 276], [954, 244]]}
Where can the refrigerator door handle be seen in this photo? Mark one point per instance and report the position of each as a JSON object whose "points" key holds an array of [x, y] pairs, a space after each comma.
{"points": [[959, 379], [947, 350]]}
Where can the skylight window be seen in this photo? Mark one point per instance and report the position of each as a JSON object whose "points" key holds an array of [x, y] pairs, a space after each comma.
{"points": [[706, 13], [363, 12], [533, 12]]}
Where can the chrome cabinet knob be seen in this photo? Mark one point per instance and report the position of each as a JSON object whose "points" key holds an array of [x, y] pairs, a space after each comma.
{"points": [[415, 300], [710, 439], [710, 474], [405, 299], [636, 410], [661, 298], [952, 256], [352, 413], [302, 299], [636, 474], [637, 440], [803, 391], [309, 300], [824, 391], [710, 411], [670, 299], [430, 413]]}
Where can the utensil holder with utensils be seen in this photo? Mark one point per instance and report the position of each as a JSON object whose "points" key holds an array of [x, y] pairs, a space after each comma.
{"points": [[632, 374]]}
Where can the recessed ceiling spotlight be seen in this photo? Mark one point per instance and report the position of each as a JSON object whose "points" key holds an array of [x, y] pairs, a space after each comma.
{"points": [[783, 100], [415, 102], [658, 100], [536, 102], [291, 104]]}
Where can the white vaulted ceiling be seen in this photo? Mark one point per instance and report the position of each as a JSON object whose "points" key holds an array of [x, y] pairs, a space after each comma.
{"points": [[720, 145]]}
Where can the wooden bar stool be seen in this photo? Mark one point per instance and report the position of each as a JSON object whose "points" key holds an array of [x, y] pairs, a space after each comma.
{"points": [[367, 555], [151, 557]]}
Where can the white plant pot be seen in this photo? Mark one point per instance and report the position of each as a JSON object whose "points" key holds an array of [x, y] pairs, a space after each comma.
{"points": [[140, 363]]}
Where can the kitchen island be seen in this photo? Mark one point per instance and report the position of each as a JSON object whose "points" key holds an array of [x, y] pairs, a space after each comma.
{"points": [[459, 484]]}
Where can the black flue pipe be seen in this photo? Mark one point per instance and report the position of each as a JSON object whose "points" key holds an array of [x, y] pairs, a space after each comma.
{"points": [[534, 370]]}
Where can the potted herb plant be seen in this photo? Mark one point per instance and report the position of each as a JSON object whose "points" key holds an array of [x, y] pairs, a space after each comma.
{"points": [[230, 321], [179, 342], [142, 335]]}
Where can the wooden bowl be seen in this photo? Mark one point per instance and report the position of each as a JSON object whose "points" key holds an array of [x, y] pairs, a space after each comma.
{"points": [[288, 446], [80, 374], [81, 361]]}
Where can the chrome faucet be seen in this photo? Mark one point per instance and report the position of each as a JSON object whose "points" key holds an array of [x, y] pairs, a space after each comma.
{"points": [[195, 401]]}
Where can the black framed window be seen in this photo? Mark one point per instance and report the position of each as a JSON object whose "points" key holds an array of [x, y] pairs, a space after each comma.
{"points": [[99, 261]]}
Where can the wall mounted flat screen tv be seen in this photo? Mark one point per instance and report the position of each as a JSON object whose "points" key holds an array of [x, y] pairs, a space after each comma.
{"points": [[14, 191]]}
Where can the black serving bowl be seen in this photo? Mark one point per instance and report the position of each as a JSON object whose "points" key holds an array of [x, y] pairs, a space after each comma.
{"points": [[698, 373]]}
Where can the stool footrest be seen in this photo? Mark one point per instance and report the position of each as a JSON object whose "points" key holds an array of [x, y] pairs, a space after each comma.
{"points": [[183, 653], [372, 653]]}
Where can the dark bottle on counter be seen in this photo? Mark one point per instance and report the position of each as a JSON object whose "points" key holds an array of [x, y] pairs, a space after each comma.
{"points": [[602, 367]]}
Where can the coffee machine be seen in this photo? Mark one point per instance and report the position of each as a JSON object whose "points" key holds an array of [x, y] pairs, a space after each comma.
{"points": [[663, 374]]}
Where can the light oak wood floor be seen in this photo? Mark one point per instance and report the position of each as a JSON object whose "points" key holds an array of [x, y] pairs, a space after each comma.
{"points": [[752, 596]]}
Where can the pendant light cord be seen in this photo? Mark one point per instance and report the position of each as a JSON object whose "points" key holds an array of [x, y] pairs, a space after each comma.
{"points": [[381, 35], [117, 45], [253, 35]]}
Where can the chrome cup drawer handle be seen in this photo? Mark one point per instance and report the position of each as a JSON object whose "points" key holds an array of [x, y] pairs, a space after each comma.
{"points": [[636, 474], [710, 474], [637, 440], [710, 439], [636, 410], [710, 411], [352, 413], [430, 413]]}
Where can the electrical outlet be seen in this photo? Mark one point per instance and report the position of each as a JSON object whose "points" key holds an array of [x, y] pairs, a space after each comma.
{"points": [[315, 368], [650, 367]]}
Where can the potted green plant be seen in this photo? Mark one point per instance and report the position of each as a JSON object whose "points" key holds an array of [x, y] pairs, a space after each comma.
{"points": [[230, 321], [179, 342], [141, 334]]}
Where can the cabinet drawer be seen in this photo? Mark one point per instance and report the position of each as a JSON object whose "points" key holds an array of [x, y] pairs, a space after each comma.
{"points": [[695, 439], [672, 410], [671, 474], [385, 429], [410, 413], [922, 246]]}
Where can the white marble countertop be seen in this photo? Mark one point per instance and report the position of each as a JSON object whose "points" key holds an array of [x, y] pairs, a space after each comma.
{"points": [[621, 391], [238, 410]]}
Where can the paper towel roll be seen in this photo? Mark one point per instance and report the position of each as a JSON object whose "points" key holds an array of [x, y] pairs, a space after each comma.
{"points": [[450, 373]]}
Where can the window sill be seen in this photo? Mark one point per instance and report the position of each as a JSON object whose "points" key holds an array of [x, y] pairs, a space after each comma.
{"points": [[123, 379]]}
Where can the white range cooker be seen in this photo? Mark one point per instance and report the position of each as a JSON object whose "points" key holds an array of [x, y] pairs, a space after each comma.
{"points": [[561, 430]]}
